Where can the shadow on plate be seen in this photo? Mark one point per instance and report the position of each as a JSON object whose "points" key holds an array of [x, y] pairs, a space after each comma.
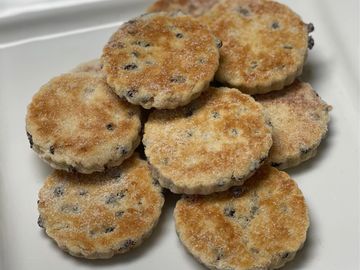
{"points": [[314, 70], [40, 168]]}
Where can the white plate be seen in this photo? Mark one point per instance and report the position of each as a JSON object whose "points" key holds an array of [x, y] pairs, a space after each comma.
{"points": [[38, 45]]}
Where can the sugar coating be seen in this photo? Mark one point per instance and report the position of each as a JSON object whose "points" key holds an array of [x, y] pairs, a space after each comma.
{"points": [[260, 225], [215, 142], [76, 123], [161, 60], [300, 121], [93, 66], [101, 214], [192, 7], [264, 44]]}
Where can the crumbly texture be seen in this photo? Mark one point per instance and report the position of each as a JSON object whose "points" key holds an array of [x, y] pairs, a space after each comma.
{"points": [[98, 215], [194, 8], [93, 67], [76, 123], [161, 60], [215, 142], [264, 44], [260, 225], [300, 121]]}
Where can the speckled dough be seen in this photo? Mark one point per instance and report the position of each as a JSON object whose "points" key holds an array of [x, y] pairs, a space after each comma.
{"points": [[161, 60], [260, 225], [101, 214], [192, 7], [264, 44], [300, 119], [215, 142], [93, 67], [76, 123]]}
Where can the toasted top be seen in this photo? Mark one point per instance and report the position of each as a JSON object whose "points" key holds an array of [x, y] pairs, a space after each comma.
{"points": [[97, 215], [257, 226], [75, 119], [161, 60], [210, 144], [93, 66], [299, 118], [264, 43], [192, 7]]}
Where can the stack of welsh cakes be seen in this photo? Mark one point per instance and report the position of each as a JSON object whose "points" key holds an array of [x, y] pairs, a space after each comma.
{"points": [[197, 97]]}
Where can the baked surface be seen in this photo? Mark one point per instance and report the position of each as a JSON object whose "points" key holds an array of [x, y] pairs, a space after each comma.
{"points": [[300, 122], [192, 7], [264, 44], [260, 225], [215, 142], [93, 66], [161, 60], [101, 214], [76, 123]]}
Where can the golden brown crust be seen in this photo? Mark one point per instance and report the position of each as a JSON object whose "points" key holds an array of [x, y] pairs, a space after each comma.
{"points": [[264, 44], [101, 214], [215, 142], [75, 122], [192, 7], [161, 60], [260, 225], [93, 66], [299, 118]]}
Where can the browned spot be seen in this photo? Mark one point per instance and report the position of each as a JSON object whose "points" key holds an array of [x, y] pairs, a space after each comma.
{"points": [[212, 145], [299, 118], [160, 46], [72, 111], [95, 228], [270, 232], [255, 40]]}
